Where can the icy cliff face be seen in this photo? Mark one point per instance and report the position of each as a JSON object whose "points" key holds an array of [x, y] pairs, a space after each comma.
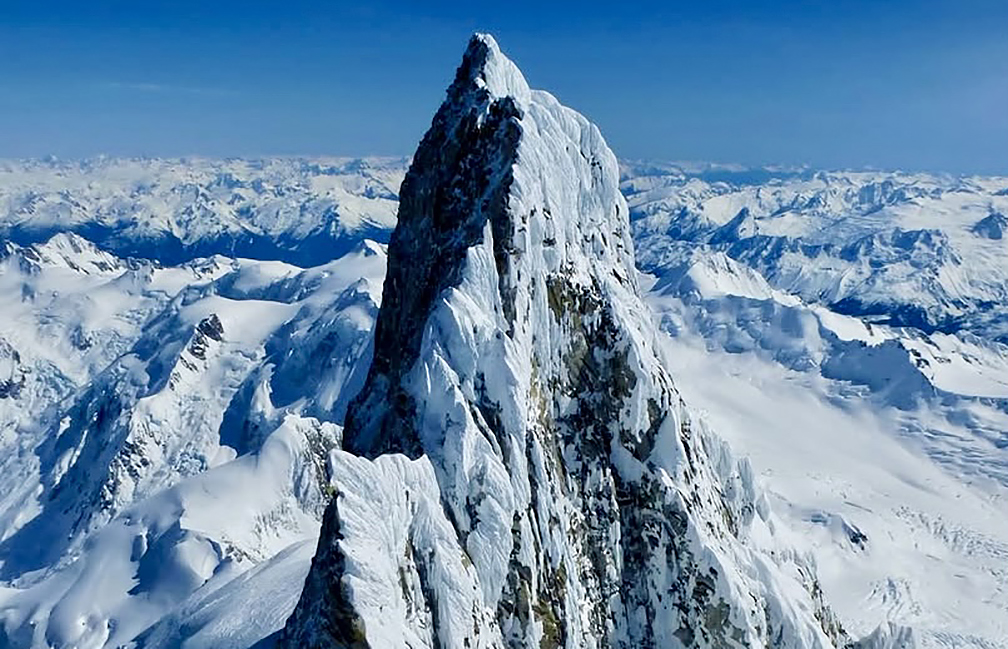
{"points": [[519, 469]]}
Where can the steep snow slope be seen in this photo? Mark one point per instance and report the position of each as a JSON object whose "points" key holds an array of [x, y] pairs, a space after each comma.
{"points": [[202, 532], [198, 453], [535, 478], [948, 390], [896, 474], [896, 535]]}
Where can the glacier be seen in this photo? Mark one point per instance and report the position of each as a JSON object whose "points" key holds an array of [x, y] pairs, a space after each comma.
{"points": [[840, 329]]}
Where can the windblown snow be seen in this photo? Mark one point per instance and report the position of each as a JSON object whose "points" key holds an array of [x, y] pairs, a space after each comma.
{"points": [[183, 341]]}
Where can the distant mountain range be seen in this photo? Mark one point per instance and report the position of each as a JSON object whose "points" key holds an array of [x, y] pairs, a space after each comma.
{"points": [[920, 250]]}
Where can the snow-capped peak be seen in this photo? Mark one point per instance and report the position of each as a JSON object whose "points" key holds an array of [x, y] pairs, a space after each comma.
{"points": [[520, 469], [484, 66]]}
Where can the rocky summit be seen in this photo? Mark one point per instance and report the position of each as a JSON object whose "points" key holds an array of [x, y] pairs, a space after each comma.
{"points": [[519, 468]]}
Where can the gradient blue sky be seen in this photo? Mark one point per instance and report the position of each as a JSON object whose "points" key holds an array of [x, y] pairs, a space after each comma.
{"points": [[914, 85]]}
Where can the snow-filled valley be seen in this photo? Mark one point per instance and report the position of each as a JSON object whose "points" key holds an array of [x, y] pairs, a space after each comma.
{"points": [[181, 342]]}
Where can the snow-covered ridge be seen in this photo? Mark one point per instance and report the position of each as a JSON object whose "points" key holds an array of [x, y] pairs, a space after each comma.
{"points": [[540, 482], [165, 430], [915, 250]]}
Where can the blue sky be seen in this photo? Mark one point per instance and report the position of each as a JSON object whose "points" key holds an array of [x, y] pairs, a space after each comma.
{"points": [[914, 85]]}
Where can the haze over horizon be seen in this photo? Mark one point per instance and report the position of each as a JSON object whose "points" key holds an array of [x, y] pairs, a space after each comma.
{"points": [[911, 85]]}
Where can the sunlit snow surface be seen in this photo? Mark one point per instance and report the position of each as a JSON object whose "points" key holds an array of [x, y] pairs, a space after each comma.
{"points": [[905, 510], [845, 331]]}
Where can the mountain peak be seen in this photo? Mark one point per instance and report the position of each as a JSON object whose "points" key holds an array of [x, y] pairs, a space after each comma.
{"points": [[519, 468], [484, 66], [507, 168]]}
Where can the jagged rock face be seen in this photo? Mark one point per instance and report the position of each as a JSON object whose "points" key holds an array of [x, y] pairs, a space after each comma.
{"points": [[12, 375], [556, 491], [992, 226], [458, 183]]}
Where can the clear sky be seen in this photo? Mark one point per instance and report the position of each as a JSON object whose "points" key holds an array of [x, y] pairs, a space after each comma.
{"points": [[852, 83]]}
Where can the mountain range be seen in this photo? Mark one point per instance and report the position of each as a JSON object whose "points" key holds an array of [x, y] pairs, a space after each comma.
{"points": [[497, 394]]}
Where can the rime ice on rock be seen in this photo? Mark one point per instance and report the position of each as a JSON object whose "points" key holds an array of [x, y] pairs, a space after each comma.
{"points": [[519, 468]]}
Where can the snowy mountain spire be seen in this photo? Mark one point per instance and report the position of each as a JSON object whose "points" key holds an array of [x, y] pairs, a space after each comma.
{"points": [[519, 469], [485, 67]]}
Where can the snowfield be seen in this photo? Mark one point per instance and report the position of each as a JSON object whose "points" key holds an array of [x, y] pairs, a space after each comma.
{"points": [[181, 340]]}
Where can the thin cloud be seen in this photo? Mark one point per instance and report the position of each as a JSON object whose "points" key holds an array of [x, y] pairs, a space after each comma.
{"points": [[164, 88]]}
